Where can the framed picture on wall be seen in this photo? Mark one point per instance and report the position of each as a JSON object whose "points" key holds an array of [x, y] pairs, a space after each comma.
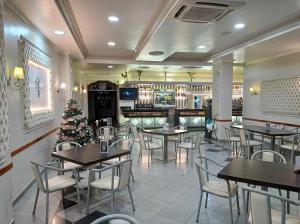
{"points": [[38, 85]]}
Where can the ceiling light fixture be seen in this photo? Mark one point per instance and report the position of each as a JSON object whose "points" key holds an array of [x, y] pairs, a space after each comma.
{"points": [[239, 26], [111, 43], [59, 32], [201, 46], [113, 19], [110, 66]]}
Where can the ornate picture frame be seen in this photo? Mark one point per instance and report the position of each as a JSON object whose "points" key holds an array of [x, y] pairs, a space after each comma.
{"points": [[38, 66]]}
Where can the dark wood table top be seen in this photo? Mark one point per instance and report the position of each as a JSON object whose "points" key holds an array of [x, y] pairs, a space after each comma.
{"points": [[89, 154], [263, 130], [169, 132], [275, 175]]}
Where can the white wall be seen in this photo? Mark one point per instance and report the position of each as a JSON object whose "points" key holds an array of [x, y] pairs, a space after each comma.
{"points": [[21, 174], [279, 68]]}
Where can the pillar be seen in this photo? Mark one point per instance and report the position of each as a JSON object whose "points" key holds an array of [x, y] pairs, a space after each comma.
{"points": [[222, 94]]}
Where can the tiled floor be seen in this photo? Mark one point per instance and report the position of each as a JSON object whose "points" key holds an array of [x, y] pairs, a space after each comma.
{"points": [[163, 194]]}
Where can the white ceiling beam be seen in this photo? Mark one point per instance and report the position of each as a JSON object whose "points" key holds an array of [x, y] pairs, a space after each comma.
{"points": [[158, 19], [260, 39]]}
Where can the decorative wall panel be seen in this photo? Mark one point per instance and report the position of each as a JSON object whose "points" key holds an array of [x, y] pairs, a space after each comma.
{"points": [[32, 55], [281, 96], [3, 97]]}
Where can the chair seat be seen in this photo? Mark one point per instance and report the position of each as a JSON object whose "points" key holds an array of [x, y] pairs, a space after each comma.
{"points": [[276, 218], [186, 145], [289, 147], [105, 183], [173, 138], [70, 165], [112, 161], [152, 146], [60, 182], [235, 139], [220, 188], [254, 143]]}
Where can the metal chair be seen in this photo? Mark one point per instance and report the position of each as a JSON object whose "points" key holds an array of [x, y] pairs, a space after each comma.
{"points": [[124, 144], [261, 211], [233, 140], [53, 184], [177, 138], [221, 188], [190, 143], [150, 146], [246, 143], [66, 146], [111, 183], [290, 144], [123, 130], [122, 217]]}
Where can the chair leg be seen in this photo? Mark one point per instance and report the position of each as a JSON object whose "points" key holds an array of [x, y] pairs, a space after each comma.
{"points": [[199, 207], [279, 191], [131, 173], [47, 208], [192, 157], [206, 199], [36, 200], [131, 199], [148, 158], [140, 155], [230, 202], [88, 199], [238, 203], [112, 201]]}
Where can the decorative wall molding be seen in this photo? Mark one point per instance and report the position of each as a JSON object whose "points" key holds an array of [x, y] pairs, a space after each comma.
{"points": [[4, 136], [281, 96], [273, 122], [32, 53]]}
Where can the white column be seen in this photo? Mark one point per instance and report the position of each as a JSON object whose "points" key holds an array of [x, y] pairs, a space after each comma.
{"points": [[66, 75], [222, 94]]}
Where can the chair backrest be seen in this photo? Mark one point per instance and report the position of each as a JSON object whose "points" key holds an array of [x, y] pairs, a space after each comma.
{"points": [[142, 141], [134, 131], [260, 206], [125, 170], [122, 217], [227, 133], [66, 146], [243, 137], [106, 132], [198, 142], [268, 156], [37, 175], [201, 166], [124, 144]]}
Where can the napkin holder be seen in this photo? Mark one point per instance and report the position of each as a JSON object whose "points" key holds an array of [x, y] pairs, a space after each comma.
{"points": [[166, 127]]}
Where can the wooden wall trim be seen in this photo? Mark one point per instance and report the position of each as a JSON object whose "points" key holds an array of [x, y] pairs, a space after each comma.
{"points": [[5, 169], [273, 122], [29, 144]]}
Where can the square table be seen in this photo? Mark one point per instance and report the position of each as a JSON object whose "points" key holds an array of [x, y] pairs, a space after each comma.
{"points": [[272, 132], [89, 154], [165, 134], [262, 173]]}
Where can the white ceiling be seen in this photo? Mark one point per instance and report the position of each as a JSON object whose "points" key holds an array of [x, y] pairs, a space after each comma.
{"points": [[148, 25]]}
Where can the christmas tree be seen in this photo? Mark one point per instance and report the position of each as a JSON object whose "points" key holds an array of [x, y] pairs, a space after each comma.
{"points": [[74, 126]]}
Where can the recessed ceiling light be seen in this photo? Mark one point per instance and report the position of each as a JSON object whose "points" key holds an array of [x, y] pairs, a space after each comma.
{"points": [[201, 46], [239, 26], [113, 19], [156, 53], [210, 61], [111, 43], [59, 32], [110, 66]]}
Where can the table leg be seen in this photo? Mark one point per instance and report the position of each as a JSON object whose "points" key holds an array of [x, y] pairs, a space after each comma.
{"points": [[165, 152], [273, 143], [250, 147], [288, 204]]}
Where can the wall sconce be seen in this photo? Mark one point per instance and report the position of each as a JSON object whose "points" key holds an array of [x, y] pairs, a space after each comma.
{"points": [[84, 91], [61, 88], [254, 90], [75, 89], [18, 76]]}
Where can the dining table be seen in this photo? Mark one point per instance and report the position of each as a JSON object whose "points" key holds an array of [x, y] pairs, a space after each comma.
{"points": [[165, 133], [262, 173], [265, 131]]}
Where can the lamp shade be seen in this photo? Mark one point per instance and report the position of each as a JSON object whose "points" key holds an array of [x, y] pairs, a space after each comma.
{"points": [[18, 73]]}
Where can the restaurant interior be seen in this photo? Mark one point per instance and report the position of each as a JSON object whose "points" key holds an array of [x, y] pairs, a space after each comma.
{"points": [[149, 111]]}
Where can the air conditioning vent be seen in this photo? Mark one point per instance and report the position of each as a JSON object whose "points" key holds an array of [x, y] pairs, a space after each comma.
{"points": [[208, 11]]}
